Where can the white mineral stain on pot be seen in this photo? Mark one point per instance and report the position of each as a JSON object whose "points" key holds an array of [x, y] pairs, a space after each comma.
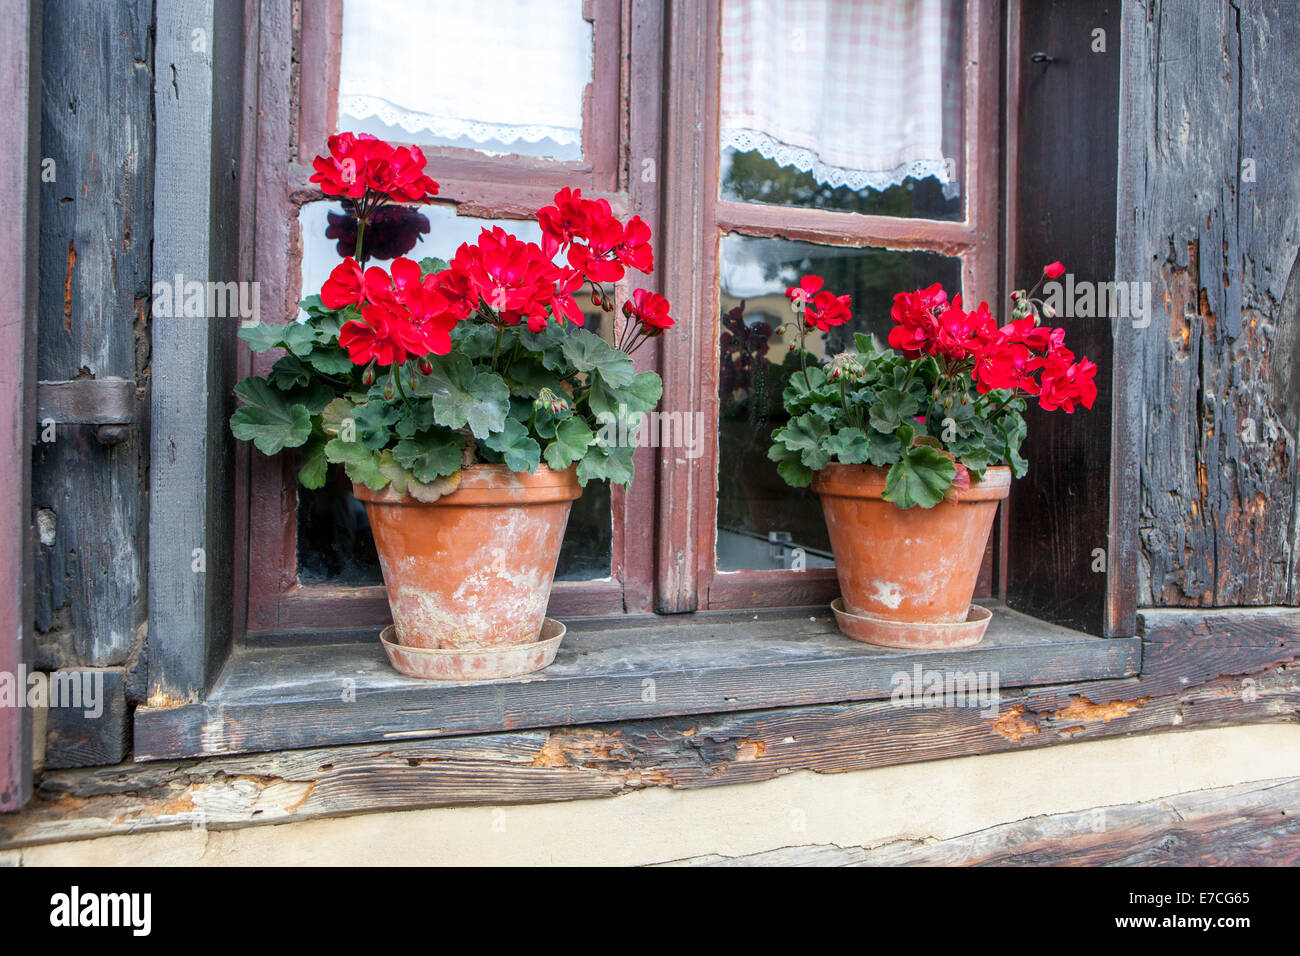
{"points": [[888, 593]]}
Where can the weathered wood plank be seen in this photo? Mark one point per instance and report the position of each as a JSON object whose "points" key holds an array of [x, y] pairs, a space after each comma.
{"points": [[94, 302], [198, 107], [20, 43], [1219, 229], [1253, 824], [273, 698], [93, 727], [568, 763]]}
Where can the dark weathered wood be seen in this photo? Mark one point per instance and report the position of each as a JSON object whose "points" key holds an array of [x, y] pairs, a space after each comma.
{"points": [[1065, 182], [78, 737], [567, 763], [198, 109], [296, 696], [1253, 824], [94, 304], [20, 83], [1217, 229]]}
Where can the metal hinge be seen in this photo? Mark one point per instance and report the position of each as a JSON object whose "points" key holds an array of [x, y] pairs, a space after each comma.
{"points": [[108, 403]]}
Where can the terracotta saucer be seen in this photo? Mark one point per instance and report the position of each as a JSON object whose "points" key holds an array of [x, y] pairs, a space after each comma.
{"points": [[481, 663], [913, 636]]}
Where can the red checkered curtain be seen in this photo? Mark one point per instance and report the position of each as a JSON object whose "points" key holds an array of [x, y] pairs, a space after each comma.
{"points": [[859, 93]]}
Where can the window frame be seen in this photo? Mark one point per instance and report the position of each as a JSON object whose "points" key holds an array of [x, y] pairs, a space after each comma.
{"points": [[194, 638], [688, 576], [272, 600]]}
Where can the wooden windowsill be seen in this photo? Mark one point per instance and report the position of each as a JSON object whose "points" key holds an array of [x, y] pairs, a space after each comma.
{"points": [[608, 669], [282, 697]]}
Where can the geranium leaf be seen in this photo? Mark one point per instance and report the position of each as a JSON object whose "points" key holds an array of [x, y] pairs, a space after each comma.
{"points": [[521, 453], [464, 395], [891, 409], [920, 477], [269, 418], [360, 463], [430, 455], [849, 445], [588, 352], [572, 439], [312, 465]]}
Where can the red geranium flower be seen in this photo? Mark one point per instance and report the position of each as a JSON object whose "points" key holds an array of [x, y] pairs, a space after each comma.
{"points": [[827, 309], [801, 295], [651, 310], [1054, 270]]}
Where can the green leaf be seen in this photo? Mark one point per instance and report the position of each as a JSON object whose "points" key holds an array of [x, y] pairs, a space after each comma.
{"points": [[268, 418], [884, 449], [404, 482], [521, 452], [547, 345], [607, 461], [528, 376], [298, 337], [795, 473], [588, 352], [463, 395], [372, 423], [262, 336], [312, 465], [849, 445], [360, 463], [431, 265], [414, 417], [430, 455], [330, 360], [807, 435], [572, 439], [634, 400], [891, 409], [920, 478], [288, 373]]}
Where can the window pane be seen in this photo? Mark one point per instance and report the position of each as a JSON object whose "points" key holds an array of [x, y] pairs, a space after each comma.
{"points": [[334, 543], [497, 76], [761, 520], [845, 105]]}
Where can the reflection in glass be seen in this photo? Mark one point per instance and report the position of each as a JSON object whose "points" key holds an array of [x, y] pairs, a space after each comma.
{"points": [[761, 520], [856, 107], [334, 542], [495, 76]]}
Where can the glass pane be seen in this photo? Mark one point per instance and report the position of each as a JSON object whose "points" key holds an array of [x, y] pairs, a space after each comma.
{"points": [[496, 76], [761, 519], [837, 104], [334, 543]]}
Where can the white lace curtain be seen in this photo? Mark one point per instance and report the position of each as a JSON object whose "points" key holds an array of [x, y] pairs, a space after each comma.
{"points": [[494, 71], [859, 93]]}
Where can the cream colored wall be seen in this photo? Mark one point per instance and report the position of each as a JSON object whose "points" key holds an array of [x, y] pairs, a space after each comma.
{"points": [[936, 800]]}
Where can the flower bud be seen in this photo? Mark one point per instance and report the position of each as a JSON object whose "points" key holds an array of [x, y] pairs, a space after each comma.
{"points": [[847, 366], [596, 300], [627, 309], [425, 366], [368, 376], [551, 401], [388, 391]]}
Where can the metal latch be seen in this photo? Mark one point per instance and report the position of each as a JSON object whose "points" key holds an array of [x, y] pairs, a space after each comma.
{"points": [[107, 403]]}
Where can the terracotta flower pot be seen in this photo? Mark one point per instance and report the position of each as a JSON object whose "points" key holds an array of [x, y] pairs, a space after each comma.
{"points": [[907, 575], [473, 569]]}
